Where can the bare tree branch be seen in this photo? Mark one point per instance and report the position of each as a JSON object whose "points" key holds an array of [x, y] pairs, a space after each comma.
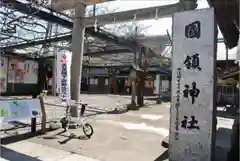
{"points": [[15, 37], [25, 24]]}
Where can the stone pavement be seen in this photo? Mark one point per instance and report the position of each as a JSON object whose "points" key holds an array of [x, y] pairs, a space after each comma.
{"points": [[117, 137], [131, 136], [29, 151], [98, 104]]}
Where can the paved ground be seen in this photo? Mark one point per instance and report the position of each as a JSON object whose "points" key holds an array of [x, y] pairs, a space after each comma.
{"points": [[132, 136], [98, 104], [29, 151], [118, 137]]}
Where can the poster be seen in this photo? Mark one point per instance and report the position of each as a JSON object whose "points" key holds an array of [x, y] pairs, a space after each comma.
{"points": [[193, 104], [15, 72], [17, 110], [22, 71], [30, 72], [3, 74]]}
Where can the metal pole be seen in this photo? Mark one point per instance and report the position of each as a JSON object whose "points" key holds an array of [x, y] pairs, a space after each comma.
{"points": [[77, 55], [159, 82], [54, 71], [226, 56], [33, 125], [94, 10]]}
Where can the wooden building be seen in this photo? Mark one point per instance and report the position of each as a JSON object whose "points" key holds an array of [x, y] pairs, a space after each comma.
{"points": [[103, 81], [227, 83]]}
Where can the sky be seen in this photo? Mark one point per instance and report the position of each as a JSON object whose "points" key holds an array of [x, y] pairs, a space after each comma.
{"points": [[160, 26]]}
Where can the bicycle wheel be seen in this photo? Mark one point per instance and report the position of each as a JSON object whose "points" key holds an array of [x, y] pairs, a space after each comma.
{"points": [[88, 130]]}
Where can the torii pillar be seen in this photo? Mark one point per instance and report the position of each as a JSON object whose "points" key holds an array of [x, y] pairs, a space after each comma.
{"points": [[77, 55]]}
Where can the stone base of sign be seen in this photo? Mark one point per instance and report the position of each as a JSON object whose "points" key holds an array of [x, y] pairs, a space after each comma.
{"points": [[165, 142]]}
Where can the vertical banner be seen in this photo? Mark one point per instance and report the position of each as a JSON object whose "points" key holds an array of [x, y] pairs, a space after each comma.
{"points": [[3, 73], [56, 71], [193, 83], [54, 77], [238, 47], [64, 59]]}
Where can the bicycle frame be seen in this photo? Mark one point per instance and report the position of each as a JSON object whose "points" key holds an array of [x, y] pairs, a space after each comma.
{"points": [[66, 121], [82, 111]]}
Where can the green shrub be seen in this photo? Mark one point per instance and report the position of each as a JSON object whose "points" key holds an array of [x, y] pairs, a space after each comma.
{"points": [[43, 94], [159, 101]]}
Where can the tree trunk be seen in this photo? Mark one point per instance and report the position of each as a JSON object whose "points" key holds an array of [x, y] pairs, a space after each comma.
{"points": [[133, 102], [140, 86]]}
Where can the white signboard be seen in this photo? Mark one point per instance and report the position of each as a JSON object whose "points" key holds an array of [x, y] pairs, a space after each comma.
{"points": [[17, 110], [64, 59], [192, 108]]}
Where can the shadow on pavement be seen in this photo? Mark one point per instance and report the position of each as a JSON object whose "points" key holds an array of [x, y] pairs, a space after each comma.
{"points": [[69, 138], [19, 125], [154, 98], [223, 143], [163, 156], [20, 137], [54, 136], [12, 155], [98, 111]]}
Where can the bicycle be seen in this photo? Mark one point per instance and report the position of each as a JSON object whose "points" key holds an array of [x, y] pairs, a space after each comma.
{"points": [[66, 121]]}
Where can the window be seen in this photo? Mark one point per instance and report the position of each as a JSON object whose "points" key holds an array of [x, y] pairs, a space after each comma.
{"points": [[106, 82]]}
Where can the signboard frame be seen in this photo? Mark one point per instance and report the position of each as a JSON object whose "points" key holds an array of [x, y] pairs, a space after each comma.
{"points": [[19, 110]]}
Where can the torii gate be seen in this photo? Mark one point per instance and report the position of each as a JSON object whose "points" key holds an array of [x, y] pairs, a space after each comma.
{"points": [[80, 22]]}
